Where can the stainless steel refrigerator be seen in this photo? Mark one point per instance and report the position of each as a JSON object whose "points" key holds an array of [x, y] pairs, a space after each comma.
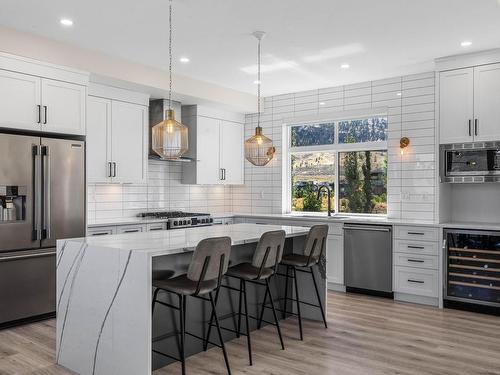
{"points": [[42, 199]]}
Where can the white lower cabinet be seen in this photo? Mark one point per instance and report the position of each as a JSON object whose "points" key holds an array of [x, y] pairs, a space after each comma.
{"points": [[101, 231], [415, 281], [335, 259], [416, 264], [130, 229]]}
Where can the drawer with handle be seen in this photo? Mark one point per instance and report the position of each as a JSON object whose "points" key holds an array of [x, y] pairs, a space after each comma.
{"points": [[416, 233], [415, 281], [416, 261], [156, 226], [130, 229], [101, 231], [416, 247]]}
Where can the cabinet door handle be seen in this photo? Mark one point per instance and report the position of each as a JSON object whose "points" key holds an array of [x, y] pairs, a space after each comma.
{"points": [[114, 169], [416, 261], [416, 247], [100, 233], [110, 173], [470, 128], [416, 233], [45, 114], [475, 127], [224, 173], [416, 281], [39, 120]]}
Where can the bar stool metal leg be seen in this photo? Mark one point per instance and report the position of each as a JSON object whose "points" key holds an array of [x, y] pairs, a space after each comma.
{"points": [[182, 311], [214, 311], [319, 299], [286, 293], [298, 301], [155, 294], [239, 307], [268, 290], [244, 289], [259, 323]]}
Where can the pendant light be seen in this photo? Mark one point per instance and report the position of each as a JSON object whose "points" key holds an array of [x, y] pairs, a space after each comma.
{"points": [[170, 137], [259, 149]]}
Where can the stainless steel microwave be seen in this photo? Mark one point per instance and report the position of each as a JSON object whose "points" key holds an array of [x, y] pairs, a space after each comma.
{"points": [[470, 162]]}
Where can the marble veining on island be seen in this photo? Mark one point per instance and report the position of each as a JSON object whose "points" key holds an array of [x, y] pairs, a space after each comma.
{"points": [[104, 293]]}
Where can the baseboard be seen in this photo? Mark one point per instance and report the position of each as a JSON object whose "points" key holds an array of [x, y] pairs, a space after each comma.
{"points": [[474, 307], [376, 293], [421, 300], [336, 287], [31, 319]]}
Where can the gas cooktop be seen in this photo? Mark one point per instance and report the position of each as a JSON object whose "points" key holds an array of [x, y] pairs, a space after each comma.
{"points": [[170, 214], [180, 219]]}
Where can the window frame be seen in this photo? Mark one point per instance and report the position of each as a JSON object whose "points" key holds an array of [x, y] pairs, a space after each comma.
{"points": [[335, 148]]}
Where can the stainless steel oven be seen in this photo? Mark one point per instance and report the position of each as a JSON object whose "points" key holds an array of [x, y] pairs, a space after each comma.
{"points": [[470, 162]]}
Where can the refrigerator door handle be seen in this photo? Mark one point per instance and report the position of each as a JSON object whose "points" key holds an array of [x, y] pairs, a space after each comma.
{"points": [[35, 151], [46, 192]]}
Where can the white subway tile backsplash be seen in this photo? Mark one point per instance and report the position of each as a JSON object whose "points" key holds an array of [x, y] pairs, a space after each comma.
{"points": [[412, 114]]}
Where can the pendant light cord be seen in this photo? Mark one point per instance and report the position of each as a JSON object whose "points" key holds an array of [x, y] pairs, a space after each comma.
{"points": [[258, 84], [170, 55]]}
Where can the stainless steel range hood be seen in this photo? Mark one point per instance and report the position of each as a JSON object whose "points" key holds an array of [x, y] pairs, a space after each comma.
{"points": [[157, 109]]}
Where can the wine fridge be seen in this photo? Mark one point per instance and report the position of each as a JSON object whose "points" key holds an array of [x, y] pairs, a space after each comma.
{"points": [[472, 269]]}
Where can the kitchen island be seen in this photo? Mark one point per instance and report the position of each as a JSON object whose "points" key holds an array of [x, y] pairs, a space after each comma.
{"points": [[104, 292]]}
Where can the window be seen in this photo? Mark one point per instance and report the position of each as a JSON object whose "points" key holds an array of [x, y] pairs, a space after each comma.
{"points": [[349, 156]]}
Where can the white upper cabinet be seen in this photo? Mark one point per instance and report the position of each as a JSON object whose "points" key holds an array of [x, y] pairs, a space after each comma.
{"points": [[63, 107], [456, 105], [116, 141], [19, 101], [38, 96], [215, 147], [231, 152], [469, 104], [207, 161], [487, 103], [129, 142], [99, 168]]}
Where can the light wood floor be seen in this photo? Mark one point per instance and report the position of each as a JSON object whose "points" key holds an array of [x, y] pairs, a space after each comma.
{"points": [[366, 335]]}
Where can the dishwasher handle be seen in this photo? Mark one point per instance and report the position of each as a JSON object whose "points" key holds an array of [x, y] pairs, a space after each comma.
{"points": [[372, 229]]}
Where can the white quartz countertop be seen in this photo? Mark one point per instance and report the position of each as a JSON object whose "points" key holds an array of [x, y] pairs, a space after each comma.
{"points": [[181, 240]]}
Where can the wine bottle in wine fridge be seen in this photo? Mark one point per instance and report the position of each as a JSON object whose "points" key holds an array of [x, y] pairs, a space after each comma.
{"points": [[472, 269]]}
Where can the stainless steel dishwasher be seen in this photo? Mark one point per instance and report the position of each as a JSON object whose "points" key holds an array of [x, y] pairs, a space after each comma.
{"points": [[368, 259]]}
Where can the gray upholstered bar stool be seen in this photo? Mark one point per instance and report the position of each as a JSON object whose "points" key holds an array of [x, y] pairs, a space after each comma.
{"points": [[209, 264], [265, 261], [313, 251]]}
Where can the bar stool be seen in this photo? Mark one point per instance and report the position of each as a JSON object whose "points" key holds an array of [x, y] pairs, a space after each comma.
{"points": [[263, 266], [313, 251], [209, 263]]}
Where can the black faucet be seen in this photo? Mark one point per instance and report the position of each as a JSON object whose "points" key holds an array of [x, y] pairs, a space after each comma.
{"points": [[329, 191]]}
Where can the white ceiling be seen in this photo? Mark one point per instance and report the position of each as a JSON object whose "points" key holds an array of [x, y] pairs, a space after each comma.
{"points": [[307, 40]]}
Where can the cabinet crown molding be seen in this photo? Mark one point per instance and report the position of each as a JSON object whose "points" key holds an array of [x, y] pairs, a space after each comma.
{"points": [[42, 69], [116, 93], [467, 60]]}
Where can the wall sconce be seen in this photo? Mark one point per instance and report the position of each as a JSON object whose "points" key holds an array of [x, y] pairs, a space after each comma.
{"points": [[404, 143]]}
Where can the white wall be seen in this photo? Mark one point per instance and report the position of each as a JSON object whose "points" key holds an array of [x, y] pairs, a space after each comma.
{"points": [[411, 178], [163, 191], [475, 202]]}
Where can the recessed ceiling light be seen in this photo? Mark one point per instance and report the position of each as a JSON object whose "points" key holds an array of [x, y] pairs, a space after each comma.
{"points": [[66, 22], [256, 82], [184, 59], [345, 66], [466, 43], [321, 103], [398, 94]]}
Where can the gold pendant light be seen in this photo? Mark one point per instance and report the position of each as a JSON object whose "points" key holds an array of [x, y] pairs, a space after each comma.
{"points": [[170, 137], [259, 149]]}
